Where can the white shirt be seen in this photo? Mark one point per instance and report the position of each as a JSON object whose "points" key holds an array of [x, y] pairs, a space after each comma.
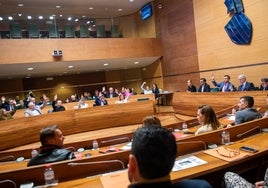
{"points": [[35, 112], [203, 129], [146, 91]]}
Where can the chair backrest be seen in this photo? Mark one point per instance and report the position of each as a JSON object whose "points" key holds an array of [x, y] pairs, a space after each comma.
{"points": [[84, 32], [115, 32], [15, 30], [33, 30], [114, 141], [8, 184], [53, 31], [100, 29], [186, 147], [69, 31], [7, 158]]}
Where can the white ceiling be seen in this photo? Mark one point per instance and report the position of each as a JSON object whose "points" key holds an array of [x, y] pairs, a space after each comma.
{"points": [[75, 9]]}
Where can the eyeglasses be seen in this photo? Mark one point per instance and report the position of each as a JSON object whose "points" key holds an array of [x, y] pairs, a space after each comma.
{"points": [[227, 152]]}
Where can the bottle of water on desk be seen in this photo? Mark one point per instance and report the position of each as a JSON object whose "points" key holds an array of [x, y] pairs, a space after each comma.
{"points": [[95, 145], [225, 137], [184, 127], [49, 175], [34, 152]]}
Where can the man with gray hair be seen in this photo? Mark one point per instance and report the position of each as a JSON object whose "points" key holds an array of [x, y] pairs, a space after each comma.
{"points": [[244, 85]]}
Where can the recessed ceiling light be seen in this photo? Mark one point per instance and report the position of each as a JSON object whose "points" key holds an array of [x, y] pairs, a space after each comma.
{"points": [[136, 62], [40, 17], [131, 0], [90, 8], [51, 17], [30, 68], [70, 66], [83, 16], [60, 15], [10, 18], [105, 64], [19, 14], [20, 5], [29, 17], [120, 9], [76, 20], [58, 6], [70, 18], [1, 18]]}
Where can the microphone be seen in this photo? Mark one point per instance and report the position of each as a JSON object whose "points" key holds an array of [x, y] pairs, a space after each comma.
{"points": [[249, 131], [97, 162]]}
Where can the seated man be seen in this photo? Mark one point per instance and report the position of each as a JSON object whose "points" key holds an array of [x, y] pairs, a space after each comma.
{"points": [[101, 101], [33, 108], [57, 105], [152, 158], [244, 84], [246, 111], [204, 87], [225, 85], [51, 150]]}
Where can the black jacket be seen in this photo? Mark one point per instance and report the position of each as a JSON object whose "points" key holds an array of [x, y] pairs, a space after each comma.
{"points": [[49, 154], [57, 108], [189, 183]]}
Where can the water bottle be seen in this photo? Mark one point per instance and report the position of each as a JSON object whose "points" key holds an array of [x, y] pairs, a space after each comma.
{"points": [[95, 145], [34, 152], [184, 126], [49, 175], [225, 137]]}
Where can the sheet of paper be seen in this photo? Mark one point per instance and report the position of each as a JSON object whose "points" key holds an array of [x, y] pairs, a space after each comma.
{"points": [[187, 162], [117, 179]]}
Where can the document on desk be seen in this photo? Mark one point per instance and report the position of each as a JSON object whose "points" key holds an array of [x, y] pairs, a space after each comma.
{"points": [[187, 162], [231, 117], [117, 179], [226, 153]]}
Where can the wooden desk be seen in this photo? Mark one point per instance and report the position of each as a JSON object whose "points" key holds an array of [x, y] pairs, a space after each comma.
{"points": [[166, 98], [212, 171]]}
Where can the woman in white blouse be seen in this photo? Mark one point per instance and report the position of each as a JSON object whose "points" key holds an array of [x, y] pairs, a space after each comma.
{"points": [[207, 119]]}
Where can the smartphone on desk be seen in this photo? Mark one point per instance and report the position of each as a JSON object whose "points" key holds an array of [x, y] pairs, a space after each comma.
{"points": [[249, 149]]}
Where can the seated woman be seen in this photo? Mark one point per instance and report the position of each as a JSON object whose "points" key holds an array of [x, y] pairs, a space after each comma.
{"points": [[207, 119], [121, 99]]}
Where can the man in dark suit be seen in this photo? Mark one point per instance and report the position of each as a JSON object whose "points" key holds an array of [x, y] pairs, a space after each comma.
{"points": [[246, 111], [204, 87], [244, 85], [152, 157], [111, 93], [100, 101], [264, 84], [52, 149]]}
